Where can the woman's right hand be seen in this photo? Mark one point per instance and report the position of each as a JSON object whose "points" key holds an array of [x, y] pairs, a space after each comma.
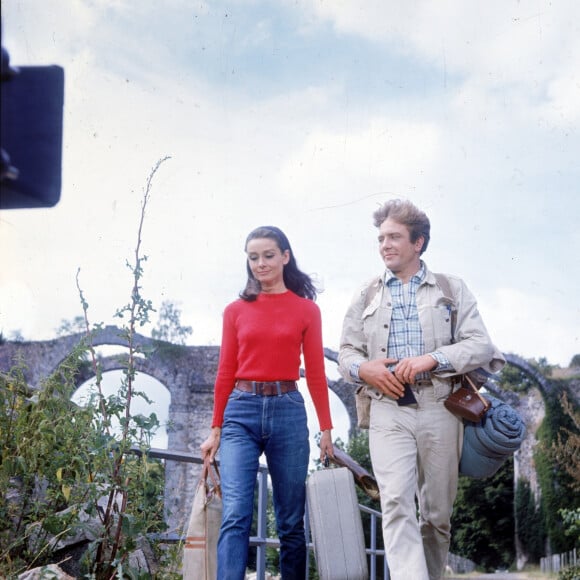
{"points": [[211, 445]]}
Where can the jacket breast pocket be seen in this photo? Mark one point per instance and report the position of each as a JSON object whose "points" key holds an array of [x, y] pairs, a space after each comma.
{"points": [[442, 315], [368, 316], [376, 321]]}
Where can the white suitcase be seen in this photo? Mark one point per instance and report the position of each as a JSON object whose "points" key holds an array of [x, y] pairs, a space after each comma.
{"points": [[336, 525]]}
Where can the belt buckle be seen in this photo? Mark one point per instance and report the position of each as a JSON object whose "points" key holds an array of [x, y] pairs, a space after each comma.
{"points": [[265, 388], [257, 388], [278, 387]]}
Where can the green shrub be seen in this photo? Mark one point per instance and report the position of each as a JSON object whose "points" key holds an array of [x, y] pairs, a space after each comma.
{"points": [[64, 468], [572, 573]]}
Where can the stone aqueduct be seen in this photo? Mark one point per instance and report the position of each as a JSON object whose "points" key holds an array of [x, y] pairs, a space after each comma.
{"points": [[188, 372]]}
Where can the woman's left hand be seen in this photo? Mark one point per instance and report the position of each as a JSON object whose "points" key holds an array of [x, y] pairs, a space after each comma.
{"points": [[326, 448]]}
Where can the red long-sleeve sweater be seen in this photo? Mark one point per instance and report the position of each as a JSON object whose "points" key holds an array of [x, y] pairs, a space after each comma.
{"points": [[263, 341]]}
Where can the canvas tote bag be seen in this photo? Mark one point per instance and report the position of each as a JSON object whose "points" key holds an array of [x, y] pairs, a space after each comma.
{"points": [[200, 549]]}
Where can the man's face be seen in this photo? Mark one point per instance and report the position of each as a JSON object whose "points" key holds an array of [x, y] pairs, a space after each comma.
{"points": [[401, 256]]}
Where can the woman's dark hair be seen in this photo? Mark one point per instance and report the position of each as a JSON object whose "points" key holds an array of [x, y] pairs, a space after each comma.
{"points": [[294, 279]]}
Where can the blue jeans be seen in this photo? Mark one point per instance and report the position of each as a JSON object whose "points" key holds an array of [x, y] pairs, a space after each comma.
{"points": [[276, 426]]}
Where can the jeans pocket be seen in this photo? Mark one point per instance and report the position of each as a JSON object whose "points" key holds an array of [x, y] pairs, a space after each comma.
{"points": [[296, 398], [237, 395]]}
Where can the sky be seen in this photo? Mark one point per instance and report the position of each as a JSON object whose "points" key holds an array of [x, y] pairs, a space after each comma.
{"points": [[307, 115]]}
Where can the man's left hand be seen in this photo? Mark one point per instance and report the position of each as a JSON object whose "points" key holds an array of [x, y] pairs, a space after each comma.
{"points": [[408, 368]]}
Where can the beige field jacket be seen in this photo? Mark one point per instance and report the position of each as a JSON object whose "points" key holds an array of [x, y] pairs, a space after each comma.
{"points": [[365, 332]]}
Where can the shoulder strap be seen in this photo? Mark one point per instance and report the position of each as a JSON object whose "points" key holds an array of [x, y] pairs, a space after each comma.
{"points": [[443, 283], [371, 290], [477, 377]]}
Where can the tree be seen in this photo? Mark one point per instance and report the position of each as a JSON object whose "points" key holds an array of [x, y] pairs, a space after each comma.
{"points": [[566, 449], [530, 522], [556, 459], [169, 326], [74, 326], [483, 519], [575, 362], [513, 379]]}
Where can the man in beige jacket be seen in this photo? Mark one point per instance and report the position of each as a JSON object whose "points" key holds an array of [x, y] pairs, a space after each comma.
{"points": [[397, 341]]}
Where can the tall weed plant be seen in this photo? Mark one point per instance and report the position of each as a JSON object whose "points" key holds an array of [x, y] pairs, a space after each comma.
{"points": [[66, 472]]}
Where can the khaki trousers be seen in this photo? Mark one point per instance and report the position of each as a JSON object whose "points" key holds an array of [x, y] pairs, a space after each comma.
{"points": [[415, 452]]}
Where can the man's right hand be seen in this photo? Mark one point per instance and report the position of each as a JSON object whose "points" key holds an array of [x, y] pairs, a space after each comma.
{"points": [[376, 374]]}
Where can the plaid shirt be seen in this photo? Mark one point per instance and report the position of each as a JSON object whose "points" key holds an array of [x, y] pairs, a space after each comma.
{"points": [[405, 334]]}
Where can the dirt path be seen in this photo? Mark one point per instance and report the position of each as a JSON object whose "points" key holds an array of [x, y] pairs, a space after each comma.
{"points": [[497, 576]]}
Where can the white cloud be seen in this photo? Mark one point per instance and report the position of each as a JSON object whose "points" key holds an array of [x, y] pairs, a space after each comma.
{"points": [[537, 325], [18, 308], [563, 106], [342, 166], [531, 49]]}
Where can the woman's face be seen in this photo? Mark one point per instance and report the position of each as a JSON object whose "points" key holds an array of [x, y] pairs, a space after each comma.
{"points": [[267, 261]]}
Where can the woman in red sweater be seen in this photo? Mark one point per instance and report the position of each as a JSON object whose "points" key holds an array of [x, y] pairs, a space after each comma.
{"points": [[257, 406]]}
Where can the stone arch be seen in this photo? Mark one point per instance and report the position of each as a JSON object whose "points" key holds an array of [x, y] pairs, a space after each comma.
{"points": [[186, 372], [546, 386], [116, 363], [145, 382]]}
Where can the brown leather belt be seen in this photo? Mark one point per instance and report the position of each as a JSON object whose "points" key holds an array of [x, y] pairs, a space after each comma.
{"points": [[268, 388]]}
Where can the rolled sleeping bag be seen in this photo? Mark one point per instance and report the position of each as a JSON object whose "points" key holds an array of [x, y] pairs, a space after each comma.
{"points": [[487, 444]]}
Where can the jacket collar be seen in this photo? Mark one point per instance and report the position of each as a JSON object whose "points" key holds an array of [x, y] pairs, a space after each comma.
{"points": [[424, 274]]}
